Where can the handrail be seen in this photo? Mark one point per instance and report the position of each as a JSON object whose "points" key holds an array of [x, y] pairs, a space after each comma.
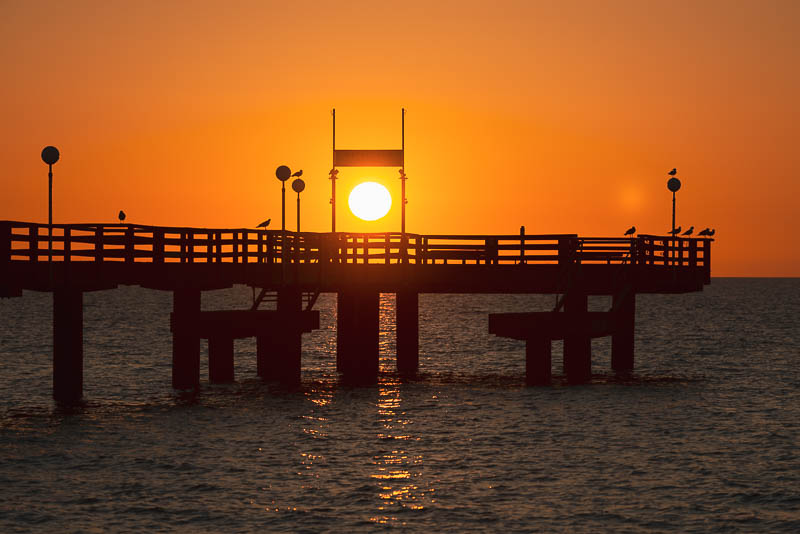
{"points": [[133, 243]]}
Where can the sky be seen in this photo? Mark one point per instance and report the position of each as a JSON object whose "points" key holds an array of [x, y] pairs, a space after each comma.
{"points": [[564, 117]]}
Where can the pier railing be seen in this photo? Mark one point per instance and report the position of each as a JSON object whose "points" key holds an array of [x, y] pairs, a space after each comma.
{"points": [[31, 242]]}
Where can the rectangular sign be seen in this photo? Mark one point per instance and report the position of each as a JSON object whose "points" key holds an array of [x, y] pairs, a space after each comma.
{"points": [[368, 158]]}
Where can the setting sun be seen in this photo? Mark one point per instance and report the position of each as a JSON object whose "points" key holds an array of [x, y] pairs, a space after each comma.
{"points": [[369, 201]]}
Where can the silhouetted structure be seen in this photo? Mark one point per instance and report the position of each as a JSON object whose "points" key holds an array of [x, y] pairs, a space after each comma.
{"points": [[296, 267]]}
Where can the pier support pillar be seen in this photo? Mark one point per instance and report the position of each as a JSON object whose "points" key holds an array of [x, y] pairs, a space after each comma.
{"points": [[344, 316], [622, 344], [407, 332], [538, 361], [185, 339], [577, 343], [358, 348], [67, 345], [279, 347], [220, 359]]}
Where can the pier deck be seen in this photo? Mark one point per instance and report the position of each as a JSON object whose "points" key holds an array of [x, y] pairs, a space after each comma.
{"points": [[69, 259]]}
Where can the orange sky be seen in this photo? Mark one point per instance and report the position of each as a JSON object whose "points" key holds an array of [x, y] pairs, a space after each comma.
{"points": [[562, 116]]}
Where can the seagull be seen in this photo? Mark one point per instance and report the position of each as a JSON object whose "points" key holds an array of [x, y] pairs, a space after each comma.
{"points": [[675, 231], [631, 230], [264, 224], [121, 216], [689, 231], [673, 172], [298, 173], [704, 231]]}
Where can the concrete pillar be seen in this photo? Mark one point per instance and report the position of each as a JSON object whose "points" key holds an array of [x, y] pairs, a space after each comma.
{"points": [[220, 359], [622, 349], [67, 345], [577, 343], [538, 361], [185, 339], [358, 351], [407, 332], [279, 347]]}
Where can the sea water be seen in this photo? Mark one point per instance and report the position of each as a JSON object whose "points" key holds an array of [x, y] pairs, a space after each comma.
{"points": [[703, 437]]}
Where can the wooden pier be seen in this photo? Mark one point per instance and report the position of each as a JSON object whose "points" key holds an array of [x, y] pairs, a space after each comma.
{"points": [[68, 260]]}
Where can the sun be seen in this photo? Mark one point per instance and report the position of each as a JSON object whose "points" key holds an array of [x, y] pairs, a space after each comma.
{"points": [[369, 201]]}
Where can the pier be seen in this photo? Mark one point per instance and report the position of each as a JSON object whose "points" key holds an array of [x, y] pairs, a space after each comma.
{"points": [[292, 269]]}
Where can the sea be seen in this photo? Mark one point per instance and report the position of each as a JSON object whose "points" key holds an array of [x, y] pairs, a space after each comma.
{"points": [[704, 436]]}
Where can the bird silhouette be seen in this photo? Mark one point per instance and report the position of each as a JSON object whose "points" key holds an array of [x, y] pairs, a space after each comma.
{"points": [[298, 173], [264, 224], [673, 172], [689, 231], [704, 231], [675, 231], [121, 216], [712, 232], [630, 231]]}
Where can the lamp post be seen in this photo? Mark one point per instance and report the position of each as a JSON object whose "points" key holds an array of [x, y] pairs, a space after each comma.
{"points": [[298, 185], [50, 156], [673, 184], [283, 173]]}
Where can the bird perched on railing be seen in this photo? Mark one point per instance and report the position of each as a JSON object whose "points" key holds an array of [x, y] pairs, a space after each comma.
{"points": [[264, 224], [630, 231], [706, 232], [673, 172], [675, 231], [121, 216], [689, 231], [298, 173]]}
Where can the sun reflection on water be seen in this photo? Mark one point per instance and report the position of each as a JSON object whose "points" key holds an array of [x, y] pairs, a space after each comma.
{"points": [[398, 472]]}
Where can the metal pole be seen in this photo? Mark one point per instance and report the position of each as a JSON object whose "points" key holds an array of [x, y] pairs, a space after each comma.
{"points": [[673, 211], [50, 211], [298, 212], [333, 176], [403, 177], [50, 221], [672, 241], [283, 205]]}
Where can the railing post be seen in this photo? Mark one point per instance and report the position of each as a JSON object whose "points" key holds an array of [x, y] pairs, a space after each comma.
{"points": [[98, 244], [158, 246], [491, 250], [67, 244], [387, 249], [566, 250], [5, 248], [680, 252], [5, 244], [707, 260], [129, 245], [33, 243], [693, 253], [190, 245]]}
